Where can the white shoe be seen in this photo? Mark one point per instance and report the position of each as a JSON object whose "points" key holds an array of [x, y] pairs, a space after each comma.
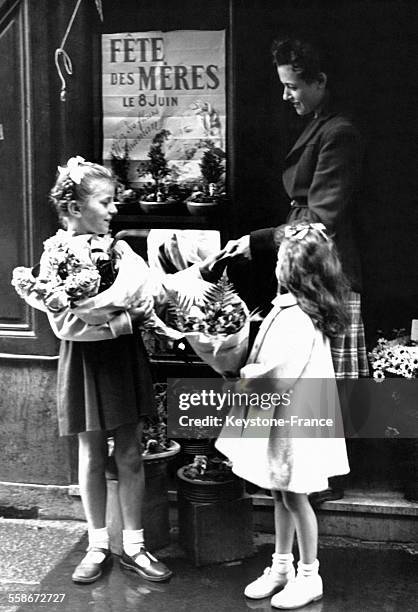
{"points": [[268, 583], [299, 592]]}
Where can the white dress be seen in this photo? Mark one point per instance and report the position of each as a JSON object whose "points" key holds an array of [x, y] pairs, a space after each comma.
{"points": [[287, 350]]}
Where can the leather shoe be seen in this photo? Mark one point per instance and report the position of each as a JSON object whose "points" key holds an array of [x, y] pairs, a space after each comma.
{"points": [[146, 565], [89, 570], [329, 494]]}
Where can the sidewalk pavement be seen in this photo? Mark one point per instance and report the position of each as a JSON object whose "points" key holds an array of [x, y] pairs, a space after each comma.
{"points": [[38, 557]]}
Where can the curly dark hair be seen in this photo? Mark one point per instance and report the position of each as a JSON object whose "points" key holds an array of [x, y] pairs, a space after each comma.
{"points": [[66, 191], [306, 56], [311, 271]]}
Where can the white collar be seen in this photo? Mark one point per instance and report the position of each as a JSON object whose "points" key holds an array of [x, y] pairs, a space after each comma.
{"points": [[284, 300]]}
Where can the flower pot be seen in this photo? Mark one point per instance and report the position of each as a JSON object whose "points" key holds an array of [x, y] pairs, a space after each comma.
{"points": [[202, 208], [157, 208], [193, 447], [155, 507], [163, 456], [209, 491], [215, 519]]}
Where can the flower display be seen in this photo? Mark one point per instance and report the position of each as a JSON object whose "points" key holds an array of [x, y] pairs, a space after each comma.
{"points": [[94, 276], [394, 357], [223, 314], [67, 278], [216, 326], [154, 432]]}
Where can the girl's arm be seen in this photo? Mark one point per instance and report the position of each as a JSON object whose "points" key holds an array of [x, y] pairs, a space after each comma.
{"points": [[282, 348], [67, 326]]}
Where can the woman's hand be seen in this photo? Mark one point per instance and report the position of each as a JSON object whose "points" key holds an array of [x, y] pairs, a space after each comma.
{"points": [[141, 313], [239, 247], [213, 266]]}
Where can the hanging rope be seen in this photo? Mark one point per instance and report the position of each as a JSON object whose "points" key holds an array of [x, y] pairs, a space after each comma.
{"points": [[68, 68], [99, 8], [65, 57], [66, 60]]}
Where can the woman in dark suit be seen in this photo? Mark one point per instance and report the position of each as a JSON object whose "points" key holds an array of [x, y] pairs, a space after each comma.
{"points": [[321, 177]]}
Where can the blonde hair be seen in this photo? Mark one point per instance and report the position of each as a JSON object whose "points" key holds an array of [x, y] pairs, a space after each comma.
{"points": [[75, 183]]}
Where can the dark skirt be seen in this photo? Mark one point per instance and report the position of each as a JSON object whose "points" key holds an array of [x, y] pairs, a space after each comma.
{"points": [[103, 385]]}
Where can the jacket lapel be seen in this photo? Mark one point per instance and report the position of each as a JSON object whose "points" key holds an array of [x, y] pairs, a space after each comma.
{"points": [[312, 128]]}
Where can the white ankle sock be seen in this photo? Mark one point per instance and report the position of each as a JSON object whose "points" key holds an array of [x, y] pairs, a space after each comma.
{"points": [[99, 538], [282, 562], [133, 541], [308, 569]]}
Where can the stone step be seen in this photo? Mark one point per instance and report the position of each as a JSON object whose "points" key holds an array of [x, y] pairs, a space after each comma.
{"points": [[376, 516], [369, 516], [366, 516]]}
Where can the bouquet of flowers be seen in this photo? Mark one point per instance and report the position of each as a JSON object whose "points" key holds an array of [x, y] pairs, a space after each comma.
{"points": [[216, 326], [94, 276], [394, 357], [66, 279]]}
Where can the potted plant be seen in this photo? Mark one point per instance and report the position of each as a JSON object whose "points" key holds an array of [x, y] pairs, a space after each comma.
{"points": [[191, 447], [398, 358], [157, 451], [155, 198], [119, 163], [212, 168], [155, 442], [209, 480], [215, 516]]}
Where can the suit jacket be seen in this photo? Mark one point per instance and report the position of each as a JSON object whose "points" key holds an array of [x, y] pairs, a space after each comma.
{"points": [[321, 176]]}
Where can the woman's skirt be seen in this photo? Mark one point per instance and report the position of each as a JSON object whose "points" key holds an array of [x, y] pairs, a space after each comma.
{"points": [[348, 350], [103, 385]]}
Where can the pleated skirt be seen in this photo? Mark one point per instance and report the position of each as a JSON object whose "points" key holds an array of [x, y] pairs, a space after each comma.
{"points": [[103, 385], [348, 350]]}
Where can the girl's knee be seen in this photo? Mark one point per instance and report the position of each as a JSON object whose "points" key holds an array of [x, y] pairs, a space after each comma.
{"points": [[128, 459], [127, 449], [294, 502], [277, 496], [92, 452]]}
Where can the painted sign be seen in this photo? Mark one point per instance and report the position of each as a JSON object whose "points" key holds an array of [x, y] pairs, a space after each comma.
{"points": [[171, 81]]}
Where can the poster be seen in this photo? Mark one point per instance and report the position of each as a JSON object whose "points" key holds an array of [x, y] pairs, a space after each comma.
{"points": [[171, 81]]}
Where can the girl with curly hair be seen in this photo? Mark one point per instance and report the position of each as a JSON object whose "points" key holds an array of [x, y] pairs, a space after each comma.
{"points": [[291, 356]]}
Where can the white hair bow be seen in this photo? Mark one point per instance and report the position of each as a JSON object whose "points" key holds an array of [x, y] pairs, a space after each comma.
{"points": [[300, 230], [73, 169]]}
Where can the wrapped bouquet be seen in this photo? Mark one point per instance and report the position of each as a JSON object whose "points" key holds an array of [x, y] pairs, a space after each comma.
{"points": [[216, 326], [92, 275]]}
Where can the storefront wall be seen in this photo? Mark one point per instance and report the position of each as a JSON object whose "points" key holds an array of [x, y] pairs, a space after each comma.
{"points": [[40, 131]]}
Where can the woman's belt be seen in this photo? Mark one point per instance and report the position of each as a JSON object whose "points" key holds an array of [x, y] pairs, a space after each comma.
{"points": [[299, 203]]}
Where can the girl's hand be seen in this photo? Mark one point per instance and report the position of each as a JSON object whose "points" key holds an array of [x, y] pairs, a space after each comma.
{"points": [[141, 313]]}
